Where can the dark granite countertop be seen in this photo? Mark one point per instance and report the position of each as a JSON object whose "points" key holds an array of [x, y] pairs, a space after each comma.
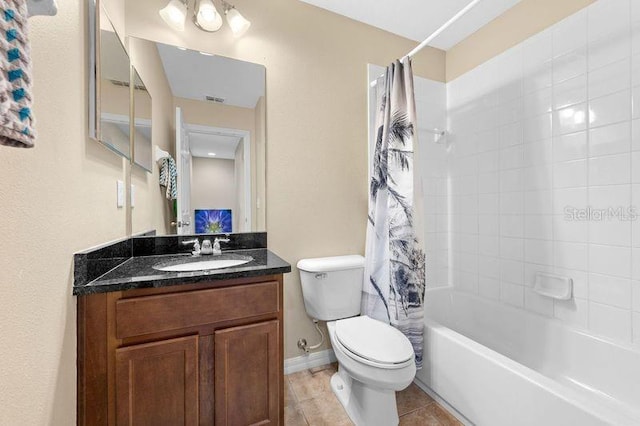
{"points": [[138, 272]]}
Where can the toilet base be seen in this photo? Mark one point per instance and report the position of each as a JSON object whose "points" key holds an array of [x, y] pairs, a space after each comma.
{"points": [[366, 406]]}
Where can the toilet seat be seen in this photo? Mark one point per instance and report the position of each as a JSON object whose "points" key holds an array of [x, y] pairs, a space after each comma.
{"points": [[374, 343]]}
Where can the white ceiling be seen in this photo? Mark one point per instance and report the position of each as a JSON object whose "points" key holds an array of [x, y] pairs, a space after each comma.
{"points": [[202, 140], [417, 19], [194, 75], [224, 146]]}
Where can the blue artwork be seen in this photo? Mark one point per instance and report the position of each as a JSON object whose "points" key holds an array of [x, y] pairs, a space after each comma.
{"points": [[213, 221]]}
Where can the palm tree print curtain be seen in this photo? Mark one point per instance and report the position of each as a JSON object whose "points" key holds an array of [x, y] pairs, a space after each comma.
{"points": [[395, 263]]}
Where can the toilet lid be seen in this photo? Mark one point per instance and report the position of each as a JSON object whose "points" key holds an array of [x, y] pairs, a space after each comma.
{"points": [[374, 340]]}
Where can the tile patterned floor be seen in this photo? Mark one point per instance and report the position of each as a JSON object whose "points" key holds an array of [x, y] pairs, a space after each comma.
{"points": [[310, 401]]}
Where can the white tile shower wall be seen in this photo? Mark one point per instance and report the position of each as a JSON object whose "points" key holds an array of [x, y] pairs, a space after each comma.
{"points": [[544, 165], [431, 167]]}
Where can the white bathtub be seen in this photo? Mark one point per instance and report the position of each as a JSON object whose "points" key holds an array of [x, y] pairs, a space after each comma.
{"points": [[497, 365]]}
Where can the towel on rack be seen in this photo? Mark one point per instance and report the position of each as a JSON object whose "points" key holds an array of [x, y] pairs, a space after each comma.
{"points": [[42, 7], [16, 117], [169, 177]]}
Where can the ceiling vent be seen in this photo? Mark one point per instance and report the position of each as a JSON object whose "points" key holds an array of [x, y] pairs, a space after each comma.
{"points": [[119, 83], [215, 99]]}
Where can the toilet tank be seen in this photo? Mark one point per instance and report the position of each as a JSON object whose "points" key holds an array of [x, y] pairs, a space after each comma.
{"points": [[332, 286]]}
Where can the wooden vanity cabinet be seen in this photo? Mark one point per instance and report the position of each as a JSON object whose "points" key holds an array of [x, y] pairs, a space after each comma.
{"points": [[157, 383], [197, 354]]}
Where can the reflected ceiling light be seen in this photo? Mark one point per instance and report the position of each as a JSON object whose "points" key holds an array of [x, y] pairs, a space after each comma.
{"points": [[207, 17], [211, 154], [238, 23], [174, 14]]}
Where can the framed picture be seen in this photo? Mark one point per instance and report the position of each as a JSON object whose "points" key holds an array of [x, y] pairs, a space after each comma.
{"points": [[213, 221]]}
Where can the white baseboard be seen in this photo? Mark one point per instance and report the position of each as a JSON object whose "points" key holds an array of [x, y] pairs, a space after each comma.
{"points": [[304, 362]]}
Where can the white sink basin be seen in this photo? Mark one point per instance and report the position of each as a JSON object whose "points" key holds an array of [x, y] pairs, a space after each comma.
{"points": [[204, 265]]}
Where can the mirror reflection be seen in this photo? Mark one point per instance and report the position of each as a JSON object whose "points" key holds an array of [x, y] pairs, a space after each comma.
{"points": [[111, 80], [218, 146], [141, 140]]}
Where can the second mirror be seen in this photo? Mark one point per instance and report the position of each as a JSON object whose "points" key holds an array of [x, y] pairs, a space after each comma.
{"points": [[218, 143]]}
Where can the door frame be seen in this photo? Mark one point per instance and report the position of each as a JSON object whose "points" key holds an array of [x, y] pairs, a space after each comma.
{"points": [[245, 135]]}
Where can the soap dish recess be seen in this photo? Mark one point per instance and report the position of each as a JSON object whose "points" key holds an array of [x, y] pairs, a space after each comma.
{"points": [[553, 286]]}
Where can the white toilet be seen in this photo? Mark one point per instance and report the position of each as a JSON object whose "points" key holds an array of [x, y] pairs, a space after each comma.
{"points": [[375, 359]]}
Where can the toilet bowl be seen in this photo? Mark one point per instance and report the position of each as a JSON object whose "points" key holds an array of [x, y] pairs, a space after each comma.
{"points": [[374, 359], [366, 386]]}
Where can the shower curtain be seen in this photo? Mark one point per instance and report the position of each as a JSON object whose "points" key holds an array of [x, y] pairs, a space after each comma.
{"points": [[395, 263]]}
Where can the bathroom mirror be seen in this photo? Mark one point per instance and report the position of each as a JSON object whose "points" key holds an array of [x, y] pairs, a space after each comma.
{"points": [[109, 80], [216, 136], [142, 155]]}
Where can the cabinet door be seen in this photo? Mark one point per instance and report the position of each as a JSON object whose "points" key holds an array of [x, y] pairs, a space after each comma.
{"points": [[157, 383], [247, 375]]}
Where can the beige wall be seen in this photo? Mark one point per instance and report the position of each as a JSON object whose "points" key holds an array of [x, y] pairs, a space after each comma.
{"points": [[152, 210], [316, 107], [216, 186], [57, 198], [216, 115], [116, 13], [525, 19], [114, 99]]}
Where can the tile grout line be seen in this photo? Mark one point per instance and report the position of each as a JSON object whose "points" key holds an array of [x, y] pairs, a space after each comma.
{"points": [[418, 408], [297, 405]]}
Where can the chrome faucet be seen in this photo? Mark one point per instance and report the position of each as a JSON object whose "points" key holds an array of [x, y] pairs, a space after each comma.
{"points": [[216, 245], [206, 247], [196, 246]]}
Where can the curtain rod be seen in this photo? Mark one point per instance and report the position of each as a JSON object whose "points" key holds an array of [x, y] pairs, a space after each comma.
{"points": [[436, 33], [446, 25]]}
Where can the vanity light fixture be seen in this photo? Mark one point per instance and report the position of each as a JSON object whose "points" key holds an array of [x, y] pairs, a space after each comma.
{"points": [[205, 16], [211, 154], [174, 14], [238, 23]]}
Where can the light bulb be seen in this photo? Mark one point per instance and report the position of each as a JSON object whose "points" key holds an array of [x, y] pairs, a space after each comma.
{"points": [[174, 14], [207, 16], [238, 23]]}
